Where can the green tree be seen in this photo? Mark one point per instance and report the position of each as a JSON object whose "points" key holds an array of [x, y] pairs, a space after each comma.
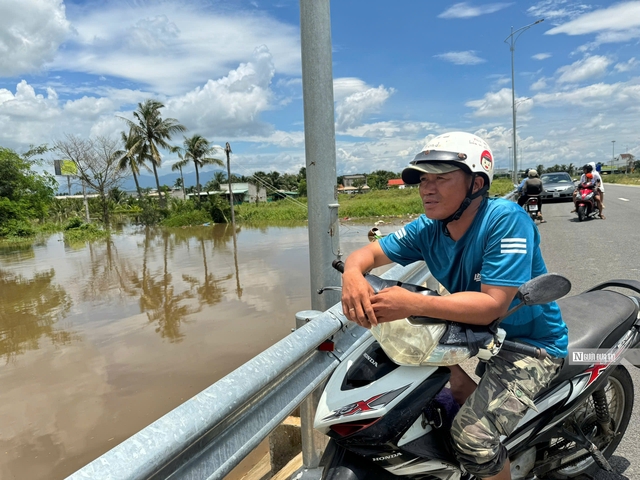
{"points": [[155, 133], [24, 193], [98, 164], [216, 182], [179, 181], [197, 149], [136, 152]]}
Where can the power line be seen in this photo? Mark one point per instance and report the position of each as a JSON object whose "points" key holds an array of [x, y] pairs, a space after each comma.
{"points": [[267, 185]]}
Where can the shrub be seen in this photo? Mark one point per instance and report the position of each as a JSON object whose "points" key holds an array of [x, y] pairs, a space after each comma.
{"points": [[17, 228], [75, 222]]}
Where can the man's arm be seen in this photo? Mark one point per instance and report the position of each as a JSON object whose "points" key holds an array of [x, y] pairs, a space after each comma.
{"points": [[356, 292], [477, 308]]}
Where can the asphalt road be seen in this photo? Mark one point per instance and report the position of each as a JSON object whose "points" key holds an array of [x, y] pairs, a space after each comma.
{"points": [[591, 252]]}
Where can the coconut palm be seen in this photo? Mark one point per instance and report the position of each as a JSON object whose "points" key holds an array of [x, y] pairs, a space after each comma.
{"points": [[178, 166], [154, 131], [133, 156], [197, 150]]}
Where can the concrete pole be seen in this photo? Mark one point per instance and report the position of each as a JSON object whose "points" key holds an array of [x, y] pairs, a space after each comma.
{"points": [[86, 203], [513, 111], [320, 149], [320, 156], [227, 150]]}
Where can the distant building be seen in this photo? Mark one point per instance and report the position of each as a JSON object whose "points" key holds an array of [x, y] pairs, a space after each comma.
{"points": [[348, 180], [242, 192], [395, 183]]}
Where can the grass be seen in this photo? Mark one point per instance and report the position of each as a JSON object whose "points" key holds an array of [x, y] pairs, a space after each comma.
{"points": [[376, 203], [628, 179]]}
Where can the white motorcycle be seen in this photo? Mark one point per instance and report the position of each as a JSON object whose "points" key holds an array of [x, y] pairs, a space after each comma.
{"points": [[388, 412]]}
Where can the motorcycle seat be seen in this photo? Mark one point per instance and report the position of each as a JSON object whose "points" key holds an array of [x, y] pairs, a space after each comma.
{"points": [[595, 320]]}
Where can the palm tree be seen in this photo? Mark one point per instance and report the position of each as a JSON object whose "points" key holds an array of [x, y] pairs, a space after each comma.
{"points": [[134, 156], [196, 149], [177, 166], [154, 131], [218, 179]]}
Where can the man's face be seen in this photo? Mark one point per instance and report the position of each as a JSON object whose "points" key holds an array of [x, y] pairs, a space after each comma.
{"points": [[443, 193]]}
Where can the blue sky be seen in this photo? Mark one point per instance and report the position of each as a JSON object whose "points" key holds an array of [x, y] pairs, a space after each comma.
{"points": [[404, 71]]}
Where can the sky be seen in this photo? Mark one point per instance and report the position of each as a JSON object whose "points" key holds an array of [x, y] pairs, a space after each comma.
{"points": [[403, 72]]}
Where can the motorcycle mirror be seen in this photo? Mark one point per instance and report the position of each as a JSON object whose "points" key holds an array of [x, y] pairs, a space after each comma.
{"points": [[543, 289], [540, 290]]}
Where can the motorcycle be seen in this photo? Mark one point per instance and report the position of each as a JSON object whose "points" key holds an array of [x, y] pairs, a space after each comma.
{"points": [[586, 202], [387, 411], [532, 207]]}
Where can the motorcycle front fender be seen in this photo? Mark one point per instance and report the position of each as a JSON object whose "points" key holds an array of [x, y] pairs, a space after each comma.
{"points": [[341, 464]]}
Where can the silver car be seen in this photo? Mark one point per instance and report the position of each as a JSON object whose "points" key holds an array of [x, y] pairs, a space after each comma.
{"points": [[557, 185]]}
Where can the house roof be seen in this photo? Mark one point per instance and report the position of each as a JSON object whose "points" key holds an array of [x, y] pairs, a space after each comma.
{"points": [[395, 181]]}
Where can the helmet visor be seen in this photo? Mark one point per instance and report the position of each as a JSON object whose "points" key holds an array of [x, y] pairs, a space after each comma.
{"points": [[432, 161]]}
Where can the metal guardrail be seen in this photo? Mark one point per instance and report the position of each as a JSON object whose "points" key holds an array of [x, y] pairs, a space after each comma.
{"points": [[209, 434]]}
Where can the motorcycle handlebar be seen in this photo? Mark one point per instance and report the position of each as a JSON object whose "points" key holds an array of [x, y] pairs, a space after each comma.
{"points": [[524, 349], [338, 265]]}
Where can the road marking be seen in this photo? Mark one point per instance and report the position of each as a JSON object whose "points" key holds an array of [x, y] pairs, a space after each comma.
{"points": [[624, 199]]}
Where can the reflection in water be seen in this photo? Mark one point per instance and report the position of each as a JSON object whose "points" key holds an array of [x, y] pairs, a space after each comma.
{"points": [[66, 400], [29, 308], [209, 290]]}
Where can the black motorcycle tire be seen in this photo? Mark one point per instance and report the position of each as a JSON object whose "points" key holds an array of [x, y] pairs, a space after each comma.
{"points": [[582, 212], [622, 378]]}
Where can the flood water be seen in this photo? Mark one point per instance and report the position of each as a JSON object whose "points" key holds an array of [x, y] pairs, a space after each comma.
{"points": [[99, 340]]}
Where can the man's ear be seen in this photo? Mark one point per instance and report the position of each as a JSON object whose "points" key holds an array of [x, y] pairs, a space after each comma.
{"points": [[478, 183]]}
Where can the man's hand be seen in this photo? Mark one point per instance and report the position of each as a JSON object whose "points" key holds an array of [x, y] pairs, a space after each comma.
{"points": [[356, 303], [395, 303]]}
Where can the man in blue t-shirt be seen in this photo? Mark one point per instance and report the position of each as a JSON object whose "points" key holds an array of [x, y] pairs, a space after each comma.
{"points": [[481, 250]]}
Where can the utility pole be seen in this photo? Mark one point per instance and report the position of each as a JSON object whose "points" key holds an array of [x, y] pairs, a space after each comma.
{"points": [[227, 150], [511, 41]]}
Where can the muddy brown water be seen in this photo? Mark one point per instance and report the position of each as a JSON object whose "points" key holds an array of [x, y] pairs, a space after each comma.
{"points": [[99, 340]]}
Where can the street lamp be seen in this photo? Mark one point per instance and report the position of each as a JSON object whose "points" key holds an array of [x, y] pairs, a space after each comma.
{"points": [[511, 41]]}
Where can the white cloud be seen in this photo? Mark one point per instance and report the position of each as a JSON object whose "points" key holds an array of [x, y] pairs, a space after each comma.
{"points": [[555, 10], [468, 57], [626, 66], [617, 96], [155, 43], [231, 105], [496, 104], [28, 117], [541, 56], [355, 99], [539, 84], [588, 67], [620, 17], [30, 33], [465, 10]]}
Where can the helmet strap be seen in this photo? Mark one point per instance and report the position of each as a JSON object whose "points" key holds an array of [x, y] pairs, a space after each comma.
{"points": [[465, 204]]}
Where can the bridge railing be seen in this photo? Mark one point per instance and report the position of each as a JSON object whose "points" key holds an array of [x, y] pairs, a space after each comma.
{"points": [[209, 434]]}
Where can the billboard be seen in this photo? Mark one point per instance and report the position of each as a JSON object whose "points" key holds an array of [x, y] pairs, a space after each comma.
{"points": [[65, 168]]}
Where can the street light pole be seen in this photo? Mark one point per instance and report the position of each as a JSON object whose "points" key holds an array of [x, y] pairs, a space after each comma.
{"points": [[511, 41]]}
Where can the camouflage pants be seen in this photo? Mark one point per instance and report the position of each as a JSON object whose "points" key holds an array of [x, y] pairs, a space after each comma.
{"points": [[502, 398]]}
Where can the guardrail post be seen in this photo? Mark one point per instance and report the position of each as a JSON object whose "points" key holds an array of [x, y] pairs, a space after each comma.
{"points": [[313, 443]]}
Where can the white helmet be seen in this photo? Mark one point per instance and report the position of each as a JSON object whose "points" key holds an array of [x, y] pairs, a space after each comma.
{"points": [[532, 173], [448, 152]]}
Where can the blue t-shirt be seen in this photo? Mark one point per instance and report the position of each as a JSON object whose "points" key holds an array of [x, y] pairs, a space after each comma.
{"points": [[501, 248]]}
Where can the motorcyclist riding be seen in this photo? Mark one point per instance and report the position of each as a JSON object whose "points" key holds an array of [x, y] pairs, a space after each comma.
{"points": [[480, 250], [593, 180], [532, 186]]}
